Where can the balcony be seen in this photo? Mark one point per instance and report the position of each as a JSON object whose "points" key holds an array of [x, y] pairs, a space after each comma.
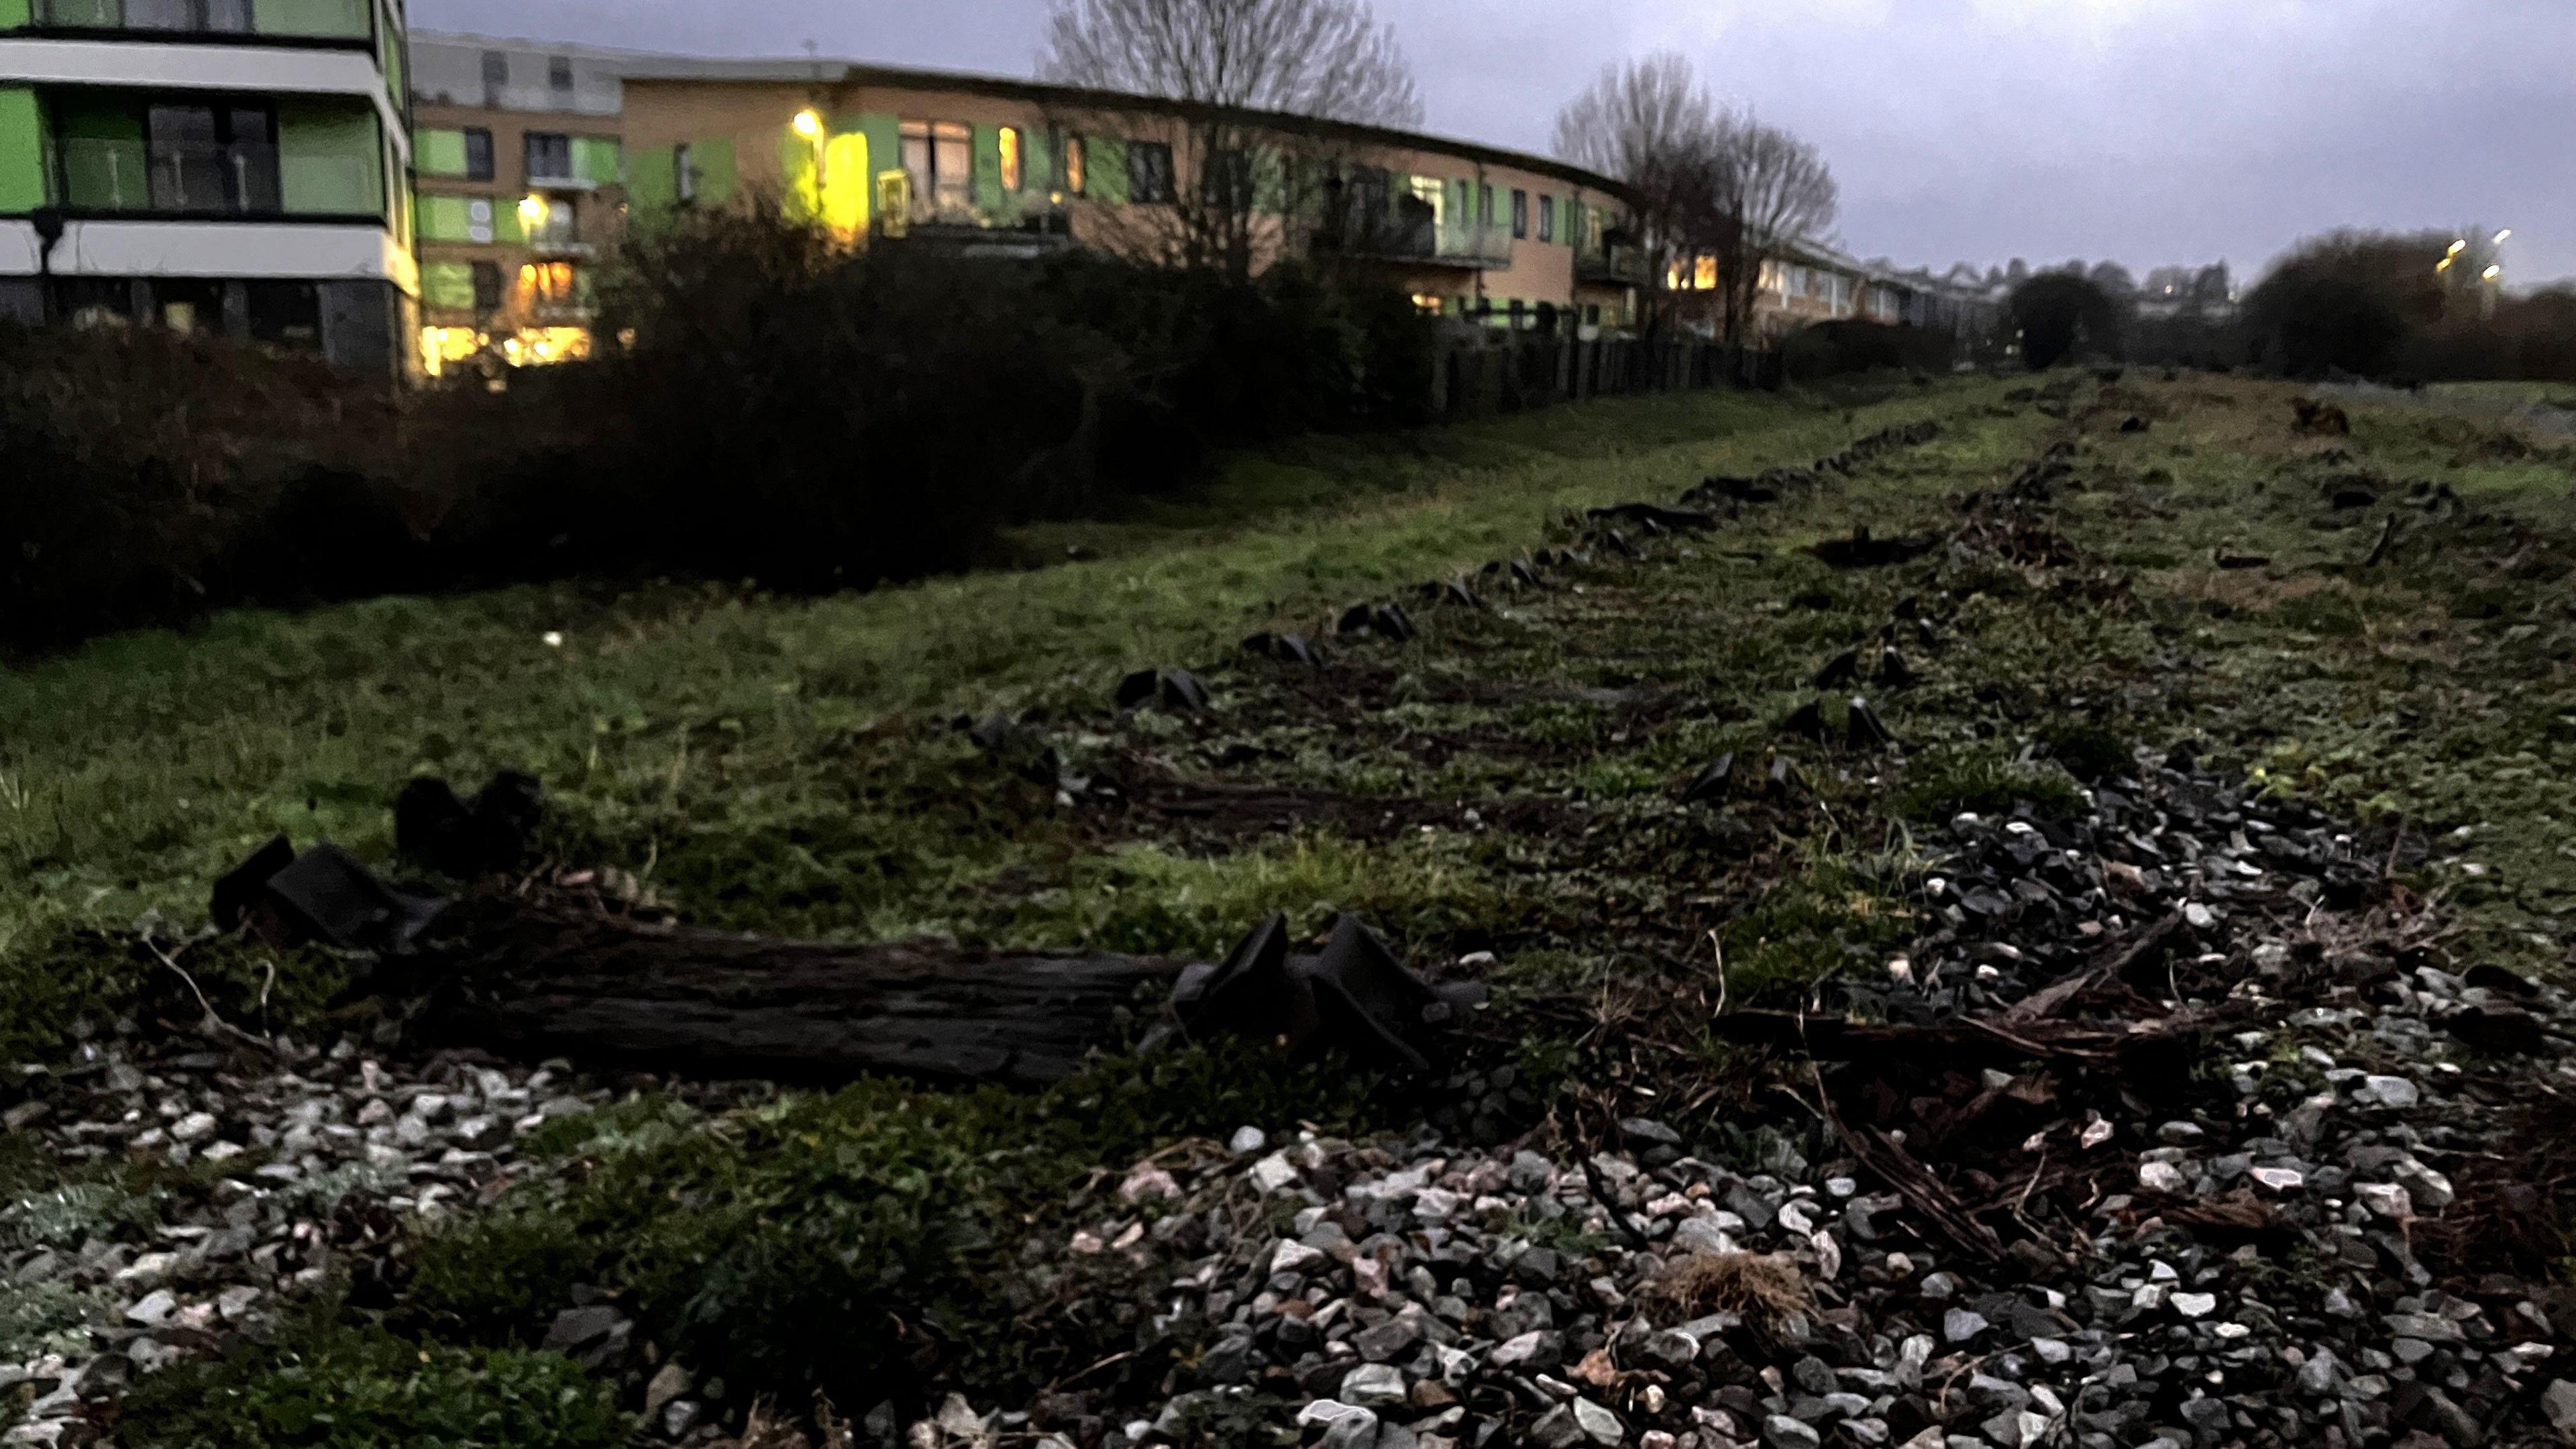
{"points": [[1613, 266], [102, 175], [121, 176], [1421, 241], [347, 21]]}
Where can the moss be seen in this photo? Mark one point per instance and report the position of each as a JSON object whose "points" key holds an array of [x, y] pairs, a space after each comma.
{"points": [[325, 1384]]}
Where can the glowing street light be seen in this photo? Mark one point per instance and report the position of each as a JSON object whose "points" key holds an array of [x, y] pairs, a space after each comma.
{"points": [[809, 124], [2443, 265], [532, 211], [2491, 273], [2458, 247], [2504, 236]]}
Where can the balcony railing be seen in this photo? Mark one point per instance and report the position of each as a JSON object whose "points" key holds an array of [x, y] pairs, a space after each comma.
{"points": [[209, 180], [103, 175], [314, 20], [1420, 239], [1623, 266]]}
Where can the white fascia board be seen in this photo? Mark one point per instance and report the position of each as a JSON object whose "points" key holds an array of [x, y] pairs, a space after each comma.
{"points": [[164, 65], [303, 251]]}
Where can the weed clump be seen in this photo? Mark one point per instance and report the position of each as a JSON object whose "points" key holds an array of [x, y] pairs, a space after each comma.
{"points": [[1984, 781], [1764, 1291], [2089, 749]]}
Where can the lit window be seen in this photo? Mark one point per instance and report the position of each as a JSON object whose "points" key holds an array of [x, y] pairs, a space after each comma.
{"points": [[1073, 165], [1010, 149], [1704, 272]]}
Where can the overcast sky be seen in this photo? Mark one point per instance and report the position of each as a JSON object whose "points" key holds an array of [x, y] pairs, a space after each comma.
{"points": [[2146, 131]]}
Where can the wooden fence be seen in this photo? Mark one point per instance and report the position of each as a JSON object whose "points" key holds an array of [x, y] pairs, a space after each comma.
{"points": [[1480, 378]]}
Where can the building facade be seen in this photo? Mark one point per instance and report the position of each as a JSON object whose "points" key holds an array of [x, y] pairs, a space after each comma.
{"points": [[1000, 166], [235, 166], [521, 178]]}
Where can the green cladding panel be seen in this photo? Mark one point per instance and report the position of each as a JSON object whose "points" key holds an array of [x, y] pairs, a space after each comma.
{"points": [[438, 153], [314, 19], [329, 160], [652, 187], [885, 142], [1105, 160], [105, 165], [718, 175], [22, 150], [598, 159], [15, 14], [988, 169], [448, 286]]}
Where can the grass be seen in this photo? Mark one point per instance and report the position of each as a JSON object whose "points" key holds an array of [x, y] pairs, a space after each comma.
{"points": [[787, 765], [754, 758]]}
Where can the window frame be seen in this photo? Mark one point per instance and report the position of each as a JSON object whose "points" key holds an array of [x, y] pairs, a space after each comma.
{"points": [[1520, 214], [491, 166], [1165, 190], [528, 143], [1075, 169], [1010, 146], [1546, 217]]}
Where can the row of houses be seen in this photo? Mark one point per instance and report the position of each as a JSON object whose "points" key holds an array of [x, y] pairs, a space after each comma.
{"points": [[304, 173]]}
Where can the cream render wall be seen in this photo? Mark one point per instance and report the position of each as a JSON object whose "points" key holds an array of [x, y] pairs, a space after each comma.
{"points": [[756, 114]]}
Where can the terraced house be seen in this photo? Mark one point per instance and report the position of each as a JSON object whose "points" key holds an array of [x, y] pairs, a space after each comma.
{"points": [[521, 196], [238, 166], [1010, 167]]}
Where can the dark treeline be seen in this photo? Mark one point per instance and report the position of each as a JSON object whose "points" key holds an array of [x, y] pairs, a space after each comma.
{"points": [[2420, 307]]}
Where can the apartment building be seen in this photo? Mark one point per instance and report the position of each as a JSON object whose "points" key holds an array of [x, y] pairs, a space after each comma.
{"points": [[235, 166], [1008, 167], [521, 180]]}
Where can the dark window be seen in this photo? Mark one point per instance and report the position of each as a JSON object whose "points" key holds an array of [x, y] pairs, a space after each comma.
{"points": [[213, 159], [1592, 314], [1517, 307], [1149, 171], [221, 16], [1229, 181], [1547, 218], [496, 68], [1485, 205], [559, 72], [549, 156], [478, 154], [285, 314], [1520, 212], [487, 286], [684, 175]]}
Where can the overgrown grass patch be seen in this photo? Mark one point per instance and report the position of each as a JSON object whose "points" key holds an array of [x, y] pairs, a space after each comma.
{"points": [[1984, 780]]}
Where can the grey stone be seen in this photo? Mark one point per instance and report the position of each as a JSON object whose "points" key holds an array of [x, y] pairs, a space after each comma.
{"points": [[1375, 1386], [1962, 1325], [1782, 1432], [575, 1329], [1598, 1424]]}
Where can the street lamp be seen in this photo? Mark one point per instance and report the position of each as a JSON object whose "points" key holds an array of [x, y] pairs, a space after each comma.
{"points": [[2491, 273], [2504, 236], [809, 124]]}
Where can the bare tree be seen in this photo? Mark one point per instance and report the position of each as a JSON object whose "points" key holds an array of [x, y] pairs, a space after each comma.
{"points": [[1234, 185], [1768, 190], [1651, 124]]}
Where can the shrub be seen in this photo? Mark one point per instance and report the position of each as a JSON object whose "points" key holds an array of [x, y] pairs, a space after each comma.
{"points": [[1835, 349], [2062, 315], [139, 460], [788, 410]]}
